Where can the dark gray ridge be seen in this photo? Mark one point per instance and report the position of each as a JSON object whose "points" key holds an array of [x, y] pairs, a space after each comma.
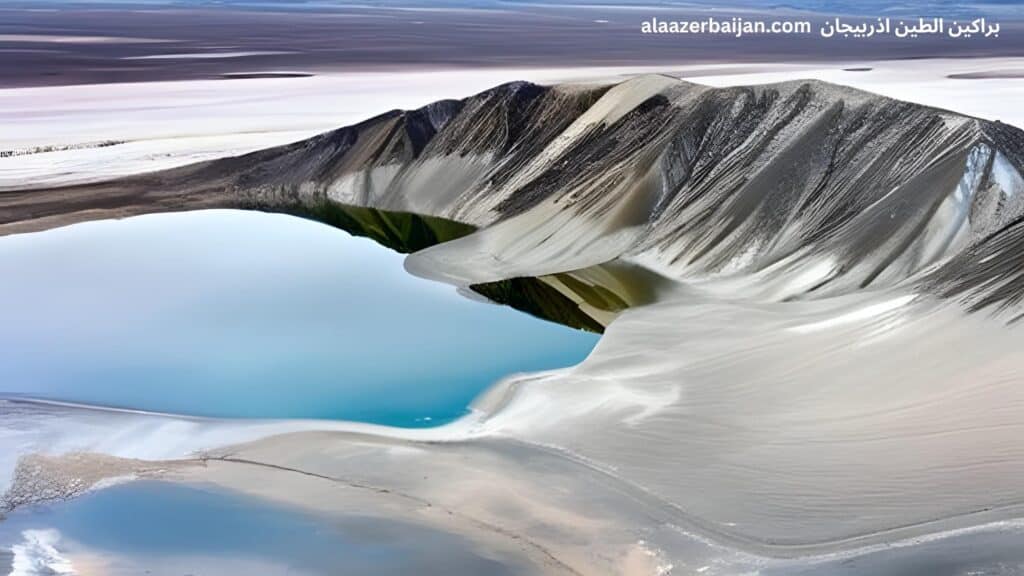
{"points": [[422, 125], [602, 149], [1007, 139], [255, 75], [989, 274], [987, 75]]}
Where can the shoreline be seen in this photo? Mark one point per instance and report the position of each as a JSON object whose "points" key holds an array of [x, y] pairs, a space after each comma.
{"points": [[269, 469], [317, 443]]}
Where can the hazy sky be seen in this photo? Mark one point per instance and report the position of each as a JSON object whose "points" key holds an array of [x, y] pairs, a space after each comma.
{"points": [[76, 42], [872, 7]]}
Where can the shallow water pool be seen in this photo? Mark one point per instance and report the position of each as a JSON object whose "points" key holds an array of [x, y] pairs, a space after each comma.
{"points": [[241, 314], [171, 529]]}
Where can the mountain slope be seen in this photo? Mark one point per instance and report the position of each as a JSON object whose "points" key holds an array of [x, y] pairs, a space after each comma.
{"points": [[813, 189]]}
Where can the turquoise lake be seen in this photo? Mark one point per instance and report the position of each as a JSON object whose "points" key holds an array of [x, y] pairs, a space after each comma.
{"points": [[166, 529], [239, 314]]}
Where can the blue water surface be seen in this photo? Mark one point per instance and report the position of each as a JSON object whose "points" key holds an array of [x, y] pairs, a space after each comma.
{"points": [[169, 529], [240, 314]]}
